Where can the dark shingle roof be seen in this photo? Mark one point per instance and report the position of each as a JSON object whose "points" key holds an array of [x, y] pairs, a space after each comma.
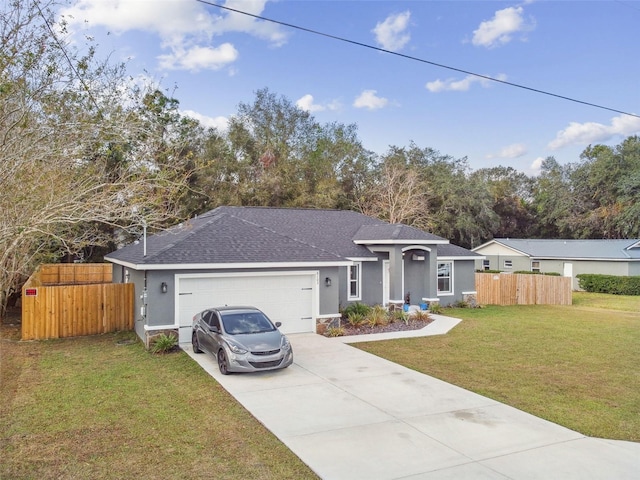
{"points": [[450, 250], [249, 235]]}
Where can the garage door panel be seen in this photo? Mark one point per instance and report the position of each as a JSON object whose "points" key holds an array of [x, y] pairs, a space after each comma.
{"points": [[288, 299]]}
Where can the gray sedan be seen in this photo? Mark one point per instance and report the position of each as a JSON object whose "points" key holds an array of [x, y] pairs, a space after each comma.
{"points": [[242, 339]]}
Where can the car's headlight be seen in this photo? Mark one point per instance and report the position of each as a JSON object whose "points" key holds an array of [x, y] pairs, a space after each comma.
{"points": [[236, 348], [284, 343]]}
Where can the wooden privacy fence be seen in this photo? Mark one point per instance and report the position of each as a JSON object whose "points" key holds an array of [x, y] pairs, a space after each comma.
{"points": [[522, 289], [69, 300]]}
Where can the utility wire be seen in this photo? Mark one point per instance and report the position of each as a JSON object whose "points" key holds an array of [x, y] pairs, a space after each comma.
{"points": [[409, 57], [64, 52]]}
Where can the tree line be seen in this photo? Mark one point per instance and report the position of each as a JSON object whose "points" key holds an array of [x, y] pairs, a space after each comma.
{"points": [[89, 159], [275, 154]]}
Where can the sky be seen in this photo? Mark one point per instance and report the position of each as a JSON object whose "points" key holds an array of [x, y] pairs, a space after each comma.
{"points": [[405, 85]]}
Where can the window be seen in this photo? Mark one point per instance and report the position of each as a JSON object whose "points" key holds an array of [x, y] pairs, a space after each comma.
{"points": [[508, 264], [486, 265], [535, 266], [354, 281], [445, 277]]}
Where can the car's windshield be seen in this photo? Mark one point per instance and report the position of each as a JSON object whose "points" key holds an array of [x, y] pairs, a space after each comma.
{"points": [[246, 322]]}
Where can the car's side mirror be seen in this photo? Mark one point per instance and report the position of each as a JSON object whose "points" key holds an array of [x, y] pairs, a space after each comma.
{"points": [[278, 324], [214, 329]]}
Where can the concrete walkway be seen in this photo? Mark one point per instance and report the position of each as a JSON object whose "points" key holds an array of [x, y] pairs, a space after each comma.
{"points": [[351, 415]]}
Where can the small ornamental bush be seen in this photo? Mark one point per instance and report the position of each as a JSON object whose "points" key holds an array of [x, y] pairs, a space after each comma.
{"points": [[357, 307], [378, 315], [355, 319], [334, 332], [435, 308], [164, 344], [400, 316]]}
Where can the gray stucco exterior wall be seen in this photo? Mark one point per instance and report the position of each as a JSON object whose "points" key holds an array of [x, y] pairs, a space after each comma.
{"points": [[465, 279]]}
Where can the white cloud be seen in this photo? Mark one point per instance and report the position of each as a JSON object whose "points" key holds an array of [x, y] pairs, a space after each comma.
{"points": [[185, 29], [391, 33], [590, 132], [369, 99], [453, 85], [536, 165], [219, 123], [500, 29], [510, 151], [307, 104], [198, 58]]}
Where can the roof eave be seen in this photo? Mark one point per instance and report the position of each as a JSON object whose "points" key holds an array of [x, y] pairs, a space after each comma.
{"points": [[461, 257], [586, 259], [228, 266], [401, 242]]}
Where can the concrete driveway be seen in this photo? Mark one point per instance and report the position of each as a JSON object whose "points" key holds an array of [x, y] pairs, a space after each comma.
{"points": [[351, 415]]}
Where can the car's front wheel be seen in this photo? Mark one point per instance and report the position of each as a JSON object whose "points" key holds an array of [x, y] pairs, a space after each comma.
{"points": [[195, 344], [222, 362]]}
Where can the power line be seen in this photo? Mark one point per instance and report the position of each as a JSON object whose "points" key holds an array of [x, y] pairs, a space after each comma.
{"points": [[421, 60], [64, 52]]}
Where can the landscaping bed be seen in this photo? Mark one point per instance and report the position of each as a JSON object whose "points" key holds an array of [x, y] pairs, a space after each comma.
{"points": [[361, 319], [397, 326]]}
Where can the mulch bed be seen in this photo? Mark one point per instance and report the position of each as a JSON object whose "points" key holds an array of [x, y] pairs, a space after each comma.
{"points": [[398, 326]]}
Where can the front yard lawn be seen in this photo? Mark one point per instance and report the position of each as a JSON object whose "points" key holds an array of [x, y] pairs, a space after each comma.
{"points": [[103, 408], [577, 365]]}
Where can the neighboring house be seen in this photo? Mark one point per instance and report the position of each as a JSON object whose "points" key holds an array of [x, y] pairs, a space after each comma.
{"points": [[300, 266], [566, 257]]}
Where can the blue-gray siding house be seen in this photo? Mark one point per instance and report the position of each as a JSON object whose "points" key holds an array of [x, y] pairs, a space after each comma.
{"points": [[300, 266]]}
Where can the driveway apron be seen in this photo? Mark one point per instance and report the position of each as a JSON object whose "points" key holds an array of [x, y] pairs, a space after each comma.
{"points": [[351, 415]]}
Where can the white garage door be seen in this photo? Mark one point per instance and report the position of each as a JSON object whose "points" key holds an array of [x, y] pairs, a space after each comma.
{"points": [[285, 297]]}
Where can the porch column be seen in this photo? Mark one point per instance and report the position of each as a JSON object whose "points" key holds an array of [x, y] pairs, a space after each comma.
{"points": [[395, 275], [433, 274]]}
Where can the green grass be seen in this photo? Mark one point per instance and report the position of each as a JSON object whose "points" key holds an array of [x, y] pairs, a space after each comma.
{"points": [[577, 366], [626, 303], [93, 408]]}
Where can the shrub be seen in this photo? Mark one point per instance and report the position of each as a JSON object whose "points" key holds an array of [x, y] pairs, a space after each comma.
{"points": [[355, 319], [357, 307], [334, 332], [612, 284], [400, 316], [421, 315], [435, 308], [378, 315], [164, 343], [529, 272]]}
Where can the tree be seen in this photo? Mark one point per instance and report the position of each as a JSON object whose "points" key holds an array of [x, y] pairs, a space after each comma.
{"points": [[512, 194], [554, 201], [74, 152], [606, 182], [276, 154], [396, 195]]}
